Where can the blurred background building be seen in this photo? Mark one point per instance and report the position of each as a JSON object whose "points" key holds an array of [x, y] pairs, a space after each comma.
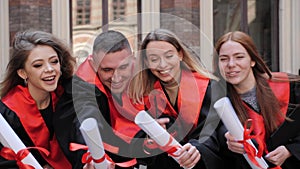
{"points": [[273, 24]]}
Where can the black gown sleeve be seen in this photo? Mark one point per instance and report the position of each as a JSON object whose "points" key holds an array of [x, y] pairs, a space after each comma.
{"points": [[79, 101], [66, 126], [294, 143], [205, 137]]}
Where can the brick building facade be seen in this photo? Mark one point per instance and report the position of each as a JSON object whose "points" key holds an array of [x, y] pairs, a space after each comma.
{"points": [[29, 14]]}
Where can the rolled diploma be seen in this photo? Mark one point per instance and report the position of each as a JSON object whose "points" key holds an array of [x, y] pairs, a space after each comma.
{"points": [[9, 139], [92, 137], [226, 112], [155, 131]]}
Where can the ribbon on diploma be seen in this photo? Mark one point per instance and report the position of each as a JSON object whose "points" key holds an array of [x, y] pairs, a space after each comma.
{"points": [[171, 150], [229, 117], [87, 157], [168, 148], [18, 150], [95, 146], [9, 154], [249, 149], [156, 132]]}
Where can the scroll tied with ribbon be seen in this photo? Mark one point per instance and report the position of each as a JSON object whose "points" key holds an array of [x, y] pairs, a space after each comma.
{"points": [[95, 146], [156, 132], [228, 116], [14, 148]]}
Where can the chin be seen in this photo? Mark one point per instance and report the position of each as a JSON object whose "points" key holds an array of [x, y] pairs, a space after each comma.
{"points": [[233, 82], [117, 91], [166, 79], [51, 89]]}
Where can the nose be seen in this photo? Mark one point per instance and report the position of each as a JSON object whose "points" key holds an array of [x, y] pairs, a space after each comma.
{"points": [[116, 77], [231, 62], [162, 63], [49, 68]]}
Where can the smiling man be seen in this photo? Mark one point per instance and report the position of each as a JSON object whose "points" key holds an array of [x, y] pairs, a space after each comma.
{"points": [[99, 90], [113, 68]]}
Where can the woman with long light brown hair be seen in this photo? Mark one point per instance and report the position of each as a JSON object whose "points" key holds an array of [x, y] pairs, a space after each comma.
{"points": [[173, 85], [256, 93]]}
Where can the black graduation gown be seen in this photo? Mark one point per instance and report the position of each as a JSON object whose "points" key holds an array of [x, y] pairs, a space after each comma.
{"points": [[11, 116], [32, 126], [206, 140], [203, 137]]}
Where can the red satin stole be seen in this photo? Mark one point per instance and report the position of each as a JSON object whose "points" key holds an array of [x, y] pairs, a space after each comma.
{"points": [[122, 116], [190, 97], [20, 101], [87, 73], [282, 93]]}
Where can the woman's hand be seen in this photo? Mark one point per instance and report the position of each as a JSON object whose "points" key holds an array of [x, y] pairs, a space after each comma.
{"points": [[233, 144], [278, 156], [188, 156]]}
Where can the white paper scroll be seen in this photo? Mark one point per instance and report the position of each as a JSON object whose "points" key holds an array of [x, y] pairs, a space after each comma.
{"points": [[155, 131], [9, 139], [228, 115], [92, 137]]}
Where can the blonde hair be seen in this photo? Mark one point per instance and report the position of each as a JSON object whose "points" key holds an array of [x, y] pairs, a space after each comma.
{"points": [[142, 82]]}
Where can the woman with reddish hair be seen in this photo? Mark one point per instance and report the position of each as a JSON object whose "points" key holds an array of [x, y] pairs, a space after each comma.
{"points": [[265, 97]]}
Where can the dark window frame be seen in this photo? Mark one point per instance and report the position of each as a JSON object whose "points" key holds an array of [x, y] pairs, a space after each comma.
{"points": [[274, 59], [84, 16]]}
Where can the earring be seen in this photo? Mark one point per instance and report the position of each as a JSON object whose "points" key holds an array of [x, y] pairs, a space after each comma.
{"points": [[25, 81], [60, 72]]}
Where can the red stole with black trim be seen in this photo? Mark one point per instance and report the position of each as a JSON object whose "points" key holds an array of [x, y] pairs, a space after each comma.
{"points": [[190, 97], [20, 101], [282, 93], [122, 116]]}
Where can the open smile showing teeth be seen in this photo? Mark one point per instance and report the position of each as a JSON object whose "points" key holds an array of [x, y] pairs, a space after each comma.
{"points": [[164, 71], [49, 78], [232, 73]]}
